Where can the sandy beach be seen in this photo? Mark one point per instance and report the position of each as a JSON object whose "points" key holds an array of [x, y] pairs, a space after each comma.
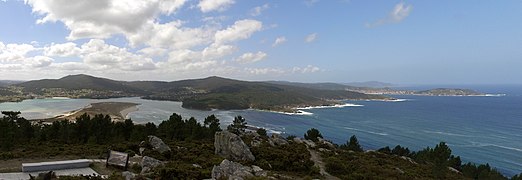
{"points": [[118, 111]]}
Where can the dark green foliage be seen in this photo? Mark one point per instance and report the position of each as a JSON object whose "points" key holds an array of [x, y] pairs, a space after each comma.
{"points": [[212, 122], [385, 150], [313, 135], [238, 126], [291, 157], [178, 129], [517, 177], [401, 151], [352, 144], [262, 132], [483, 171]]}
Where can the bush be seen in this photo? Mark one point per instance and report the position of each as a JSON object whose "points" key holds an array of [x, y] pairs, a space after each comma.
{"points": [[262, 132], [313, 135], [352, 145]]}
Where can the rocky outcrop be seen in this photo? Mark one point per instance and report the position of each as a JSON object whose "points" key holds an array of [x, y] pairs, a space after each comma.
{"points": [[230, 146], [297, 140], [309, 143], [128, 175], [232, 170], [148, 164], [277, 140], [158, 145], [325, 142]]}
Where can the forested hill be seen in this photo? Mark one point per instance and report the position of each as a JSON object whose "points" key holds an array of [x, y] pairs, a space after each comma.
{"points": [[207, 93]]}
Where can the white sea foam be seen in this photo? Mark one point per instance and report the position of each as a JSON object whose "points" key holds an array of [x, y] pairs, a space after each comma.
{"points": [[333, 106], [299, 112], [447, 133], [478, 144], [371, 132], [60, 98], [398, 100]]}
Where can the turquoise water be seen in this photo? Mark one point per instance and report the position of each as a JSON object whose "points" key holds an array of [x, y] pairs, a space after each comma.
{"points": [[479, 129]]}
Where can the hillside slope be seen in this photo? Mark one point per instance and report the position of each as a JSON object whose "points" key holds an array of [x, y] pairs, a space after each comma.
{"points": [[205, 94]]}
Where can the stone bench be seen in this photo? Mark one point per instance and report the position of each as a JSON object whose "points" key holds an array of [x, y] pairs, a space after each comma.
{"points": [[56, 165]]}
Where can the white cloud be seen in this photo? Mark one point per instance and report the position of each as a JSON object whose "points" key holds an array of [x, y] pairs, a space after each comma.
{"points": [[216, 51], [241, 29], [153, 51], [278, 41], [251, 57], [98, 54], [12, 53], [307, 69], [259, 9], [311, 38], [18, 56], [62, 50], [264, 71], [153, 44], [102, 18], [172, 35], [41, 61], [214, 5], [399, 13]]}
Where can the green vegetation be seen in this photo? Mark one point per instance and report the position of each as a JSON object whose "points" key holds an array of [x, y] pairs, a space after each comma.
{"points": [[313, 135], [352, 145], [238, 126], [192, 155]]}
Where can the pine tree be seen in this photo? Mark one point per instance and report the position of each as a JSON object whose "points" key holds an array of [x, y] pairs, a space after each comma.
{"points": [[352, 144], [313, 135]]}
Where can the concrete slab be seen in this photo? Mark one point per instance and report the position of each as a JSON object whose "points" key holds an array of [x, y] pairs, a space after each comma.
{"points": [[63, 172], [55, 165]]}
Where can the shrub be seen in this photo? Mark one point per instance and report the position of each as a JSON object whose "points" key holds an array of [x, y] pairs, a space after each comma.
{"points": [[313, 135]]}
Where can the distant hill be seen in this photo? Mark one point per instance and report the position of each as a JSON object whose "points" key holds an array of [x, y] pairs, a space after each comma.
{"points": [[324, 86], [5, 83], [449, 92], [207, 93], [81, 81], [370, 84]]}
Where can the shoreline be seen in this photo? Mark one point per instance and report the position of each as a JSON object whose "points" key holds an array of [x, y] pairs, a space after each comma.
{"points": [[125, 112], [118, 111]]}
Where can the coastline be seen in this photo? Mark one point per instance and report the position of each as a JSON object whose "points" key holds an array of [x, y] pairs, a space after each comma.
{"points": [[118, 111], [125, 112]]}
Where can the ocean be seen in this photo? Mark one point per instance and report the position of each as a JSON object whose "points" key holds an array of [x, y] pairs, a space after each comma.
{"points": [[479, 129]]}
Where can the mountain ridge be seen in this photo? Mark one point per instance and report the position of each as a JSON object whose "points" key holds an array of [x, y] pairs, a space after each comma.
{"points": [[206, 93]]}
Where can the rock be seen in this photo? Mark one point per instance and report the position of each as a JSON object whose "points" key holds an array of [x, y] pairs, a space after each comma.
{"points": [[277, 140], [297, 140], [148, 164], [399, 170], [327, 143], [255, 143], [258, 171], [197, 166], [142, 149], [158, 145], [128, 175], [230, 146], [232, 170], [324, 150], [408, 159], [454, 170], [309, 143]]}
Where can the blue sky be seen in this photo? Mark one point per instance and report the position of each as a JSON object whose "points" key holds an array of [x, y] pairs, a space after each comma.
{"points": [[402, 42]]}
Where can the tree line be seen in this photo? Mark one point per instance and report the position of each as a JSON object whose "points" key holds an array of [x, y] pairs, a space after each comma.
{"points": [[100, 129]]}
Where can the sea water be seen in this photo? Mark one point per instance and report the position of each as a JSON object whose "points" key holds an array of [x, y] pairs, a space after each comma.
{"points": [[479, 129]]}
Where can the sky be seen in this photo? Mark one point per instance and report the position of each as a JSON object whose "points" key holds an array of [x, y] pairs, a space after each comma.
{"points": [[401, 42]]}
